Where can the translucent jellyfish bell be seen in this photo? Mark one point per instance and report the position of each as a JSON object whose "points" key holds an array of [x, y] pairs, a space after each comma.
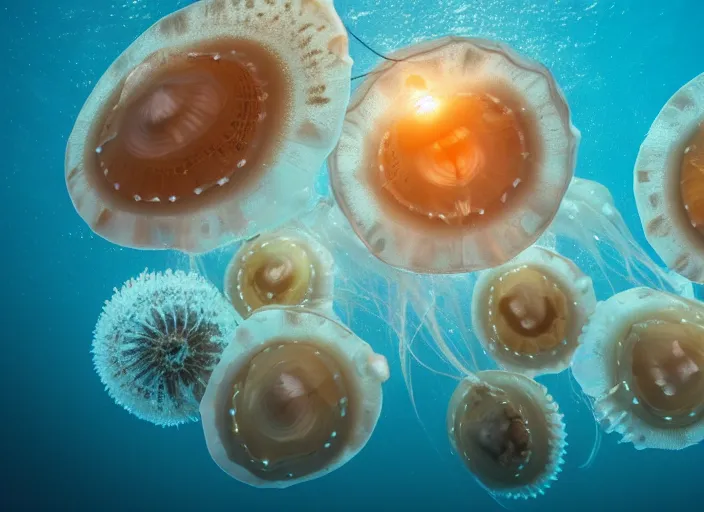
{"points": [[295, 396], [641, 359], [214, 115], [286, 267], [454, 159], [669, 182], [528, 313], [508, 432]]}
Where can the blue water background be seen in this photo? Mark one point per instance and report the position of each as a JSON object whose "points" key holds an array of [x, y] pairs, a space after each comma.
{"points": [[66, 446]]}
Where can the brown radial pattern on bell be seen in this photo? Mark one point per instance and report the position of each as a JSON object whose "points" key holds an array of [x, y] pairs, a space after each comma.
{"points": [[279, 271], [455, 158], [692, 178], [667, 371], [290, 412], [196, 126], [527, 311], [501, 436]]}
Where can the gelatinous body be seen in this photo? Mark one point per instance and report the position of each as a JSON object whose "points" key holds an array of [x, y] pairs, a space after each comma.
{"points": [[669, 182], [641, 359], [157, 341], [286, 267], [216, 113], [295, 396], [508, 432], [454, 159], [528, 313]]}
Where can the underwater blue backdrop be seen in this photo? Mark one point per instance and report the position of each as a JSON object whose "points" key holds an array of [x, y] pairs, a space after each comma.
{"points": [[66, 446]]}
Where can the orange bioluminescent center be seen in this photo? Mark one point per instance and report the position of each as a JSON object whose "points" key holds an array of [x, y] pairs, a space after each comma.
{"points": [[452, 156]]}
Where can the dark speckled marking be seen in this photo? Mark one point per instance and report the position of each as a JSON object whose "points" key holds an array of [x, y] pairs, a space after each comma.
{"points": [[305, 27], [317, 89], [174, 25], [681, 263], [654, 200], [104, 217], [682, 101], [471, 58], [287, 6], [249, 4], [318, 100], [312, 54], [215, 8], [658, 227], [643, 177], [270, 2], [305, 42]]}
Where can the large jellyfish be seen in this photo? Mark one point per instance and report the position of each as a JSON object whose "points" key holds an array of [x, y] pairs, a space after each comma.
{"points": [[454, 157], [212, 125], [509, 433], [157, 341], [642, 360], [286, 266], [669, 182], [529, 312], [294, 397]]}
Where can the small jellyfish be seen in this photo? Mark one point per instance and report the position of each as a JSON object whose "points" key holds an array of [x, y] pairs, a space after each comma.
{"points": [[212, 125], [454, 159], [641, 358], [286, 267], [528, 313], [295, 396], [507, 430], [669, 182], [157, 341]]}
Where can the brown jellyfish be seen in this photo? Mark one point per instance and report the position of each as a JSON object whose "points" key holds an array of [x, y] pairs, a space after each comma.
{"points": [[669, 182], [286, 267], [641, 358], [455, 157], [528, 313], [295, 396], [212, 126], [507, 430]]}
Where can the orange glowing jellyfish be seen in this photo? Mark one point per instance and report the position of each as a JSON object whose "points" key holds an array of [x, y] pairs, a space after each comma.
{"points": [[212, 125], [669, 182], [641, 358], [455, 157], [295, 396]]}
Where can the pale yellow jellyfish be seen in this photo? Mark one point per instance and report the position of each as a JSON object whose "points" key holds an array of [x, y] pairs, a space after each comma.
{"points": [[212, 126], [507, 430], [528, 313], [286, 266], [455, 158], [641, 358], [295, 396], [669, 182]]}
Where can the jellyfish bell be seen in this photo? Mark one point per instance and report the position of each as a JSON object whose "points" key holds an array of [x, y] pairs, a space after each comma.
{"points": [[157, 341], [641, 358], [507, 430], [669, 182], [528, 313], [454, 157], [295, 396], [212, 125], [286, 266]]}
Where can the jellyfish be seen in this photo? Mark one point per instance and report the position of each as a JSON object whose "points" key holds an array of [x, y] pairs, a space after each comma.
{"points": [[157, 341], [295, 396], [212, 126], [529, 313], [286, 266], [669, 182], [641, 358], [507, 430], [454, 157]]}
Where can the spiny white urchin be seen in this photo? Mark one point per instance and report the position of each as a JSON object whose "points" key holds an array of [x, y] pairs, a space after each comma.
{"points": [[157, 342]]}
